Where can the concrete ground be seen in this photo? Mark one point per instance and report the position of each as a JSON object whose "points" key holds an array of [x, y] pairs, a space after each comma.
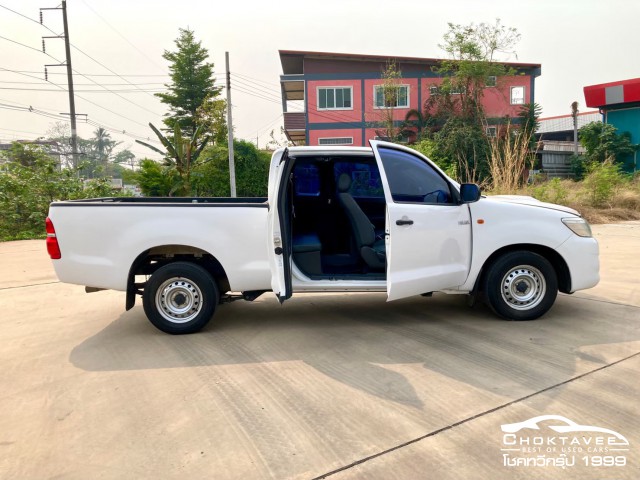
{"points": [[339, 386]]}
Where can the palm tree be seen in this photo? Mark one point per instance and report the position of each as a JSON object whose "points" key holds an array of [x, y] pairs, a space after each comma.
{"points": [[104, 144], [181, 154]]}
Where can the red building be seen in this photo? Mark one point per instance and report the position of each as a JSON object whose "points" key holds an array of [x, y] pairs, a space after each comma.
{"points": [[336, 98]]}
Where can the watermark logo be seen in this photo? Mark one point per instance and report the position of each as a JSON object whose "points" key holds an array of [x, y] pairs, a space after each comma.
{"points": [[556, 441]]}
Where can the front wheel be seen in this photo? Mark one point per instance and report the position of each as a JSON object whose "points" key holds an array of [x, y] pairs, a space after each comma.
{"points": [[521, 286], [180, 297]]}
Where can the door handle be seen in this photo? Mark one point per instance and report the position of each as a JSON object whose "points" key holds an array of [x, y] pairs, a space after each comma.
{"points": [[404, 221]]}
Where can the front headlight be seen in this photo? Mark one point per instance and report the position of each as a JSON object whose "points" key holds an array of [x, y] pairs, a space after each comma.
{"points": [[578, 225]]}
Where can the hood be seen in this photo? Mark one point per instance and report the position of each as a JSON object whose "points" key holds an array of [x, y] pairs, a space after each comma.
{"points": [[530, 201]]}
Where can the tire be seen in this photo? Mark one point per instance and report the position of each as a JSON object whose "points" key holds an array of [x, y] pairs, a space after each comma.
{"points": [[521, 285], [180, 298]]}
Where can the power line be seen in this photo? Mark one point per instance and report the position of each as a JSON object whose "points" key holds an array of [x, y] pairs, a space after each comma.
{"points": [[266, 92], [75, 71], [20, 14], [21, 44], [120, 34], [82, 84], [104, 74], [56, 116], [83, 91], [81, 97]]}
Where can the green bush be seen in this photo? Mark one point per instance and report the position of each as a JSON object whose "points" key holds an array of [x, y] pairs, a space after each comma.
{"points": [[26, 190], [553, 191], [211, 177], [601, 183], [429, 148], [578, 166]]}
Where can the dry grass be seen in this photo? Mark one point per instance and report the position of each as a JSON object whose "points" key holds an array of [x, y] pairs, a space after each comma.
{"points": [[623, 205]]}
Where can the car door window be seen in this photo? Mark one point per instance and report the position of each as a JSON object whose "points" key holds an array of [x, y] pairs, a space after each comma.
{"points": [[413, 180]]}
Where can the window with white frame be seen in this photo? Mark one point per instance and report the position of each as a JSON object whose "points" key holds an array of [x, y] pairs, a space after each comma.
{"points": [[335, 98], [433, 90], [492, 81], [396, 96], [491, 131], [517, 95], [336, 141]]}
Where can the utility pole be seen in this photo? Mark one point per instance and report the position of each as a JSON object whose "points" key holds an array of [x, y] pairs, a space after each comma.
{"points": [[72, 104], [574, 114], [232, 167]]}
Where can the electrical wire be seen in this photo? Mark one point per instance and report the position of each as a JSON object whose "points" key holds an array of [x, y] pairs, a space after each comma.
{"points": [[120, 34], [21, 44], [81, 91], [75, 71], [83, 98]]}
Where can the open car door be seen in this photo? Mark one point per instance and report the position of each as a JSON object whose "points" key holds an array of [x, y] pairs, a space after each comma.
{"points": [[279, 228], [428, 230]]}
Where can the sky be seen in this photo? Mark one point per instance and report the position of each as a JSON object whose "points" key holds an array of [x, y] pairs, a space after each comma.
{"points": [[577, 42]]}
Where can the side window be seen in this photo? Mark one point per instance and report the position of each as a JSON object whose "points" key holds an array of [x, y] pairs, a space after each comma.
{"points": [[413, 180], [307, 179], [365, 178]]}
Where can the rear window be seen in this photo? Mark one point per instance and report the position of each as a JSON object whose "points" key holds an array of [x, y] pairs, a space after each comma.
{"points": [[365, 178], [307, 179]]}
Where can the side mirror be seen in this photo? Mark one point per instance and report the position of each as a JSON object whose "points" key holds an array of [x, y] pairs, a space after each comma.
{"points": [[469, 192]]}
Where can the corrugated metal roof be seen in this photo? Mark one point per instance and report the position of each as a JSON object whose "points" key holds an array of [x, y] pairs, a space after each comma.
{"points": [[564, 123]]}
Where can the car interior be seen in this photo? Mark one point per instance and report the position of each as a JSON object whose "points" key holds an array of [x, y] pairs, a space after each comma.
{"points": [[338, 214]]}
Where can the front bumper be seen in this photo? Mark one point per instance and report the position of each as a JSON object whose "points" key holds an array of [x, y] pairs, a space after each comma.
{"points": [[582, 257]]}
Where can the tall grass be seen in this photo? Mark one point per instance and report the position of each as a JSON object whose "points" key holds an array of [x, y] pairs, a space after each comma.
{"points": [[509, 157]]}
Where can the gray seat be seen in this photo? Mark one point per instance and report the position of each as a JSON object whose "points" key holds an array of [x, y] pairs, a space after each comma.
{"points": [[371, 249]]}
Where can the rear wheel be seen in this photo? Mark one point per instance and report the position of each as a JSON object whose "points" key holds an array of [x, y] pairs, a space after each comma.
{"points": [[521, 286], [180, 297]]}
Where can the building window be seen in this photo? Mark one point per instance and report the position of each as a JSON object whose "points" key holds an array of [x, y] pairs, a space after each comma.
{"points": [[492, 81], [395, 96], [491, 131], [433, 90], [335, 98], [336, 141], [517, 95]]}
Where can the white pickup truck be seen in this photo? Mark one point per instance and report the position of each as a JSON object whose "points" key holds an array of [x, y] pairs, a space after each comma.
{"points": [[336, 219]]}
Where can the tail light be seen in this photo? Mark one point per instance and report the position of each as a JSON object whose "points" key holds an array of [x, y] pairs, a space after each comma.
{"points": [[52, 241]]}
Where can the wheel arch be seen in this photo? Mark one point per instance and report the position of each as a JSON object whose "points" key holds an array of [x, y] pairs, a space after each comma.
{"points": [[557, 262], [153, 258]]}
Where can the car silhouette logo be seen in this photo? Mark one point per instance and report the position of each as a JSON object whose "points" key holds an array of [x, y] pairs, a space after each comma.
{"points": [[568, 427]]}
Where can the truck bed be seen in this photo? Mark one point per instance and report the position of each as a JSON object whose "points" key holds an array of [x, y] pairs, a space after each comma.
{"points": [[167, 201], [100, 238]]}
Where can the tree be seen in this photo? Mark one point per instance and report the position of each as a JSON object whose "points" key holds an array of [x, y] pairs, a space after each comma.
{"points": [[27, 189], [211, 177], [472, 51], [212, 116], [387, 97], [103, 144], [154, 181], [414, 125], [529, 115], [602, 142], [454, 108], [126, 157], [60, 132], [191, 83], [181, 155]]}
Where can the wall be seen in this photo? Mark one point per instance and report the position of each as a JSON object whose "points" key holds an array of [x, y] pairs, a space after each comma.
{"points": [[627, 120]]}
